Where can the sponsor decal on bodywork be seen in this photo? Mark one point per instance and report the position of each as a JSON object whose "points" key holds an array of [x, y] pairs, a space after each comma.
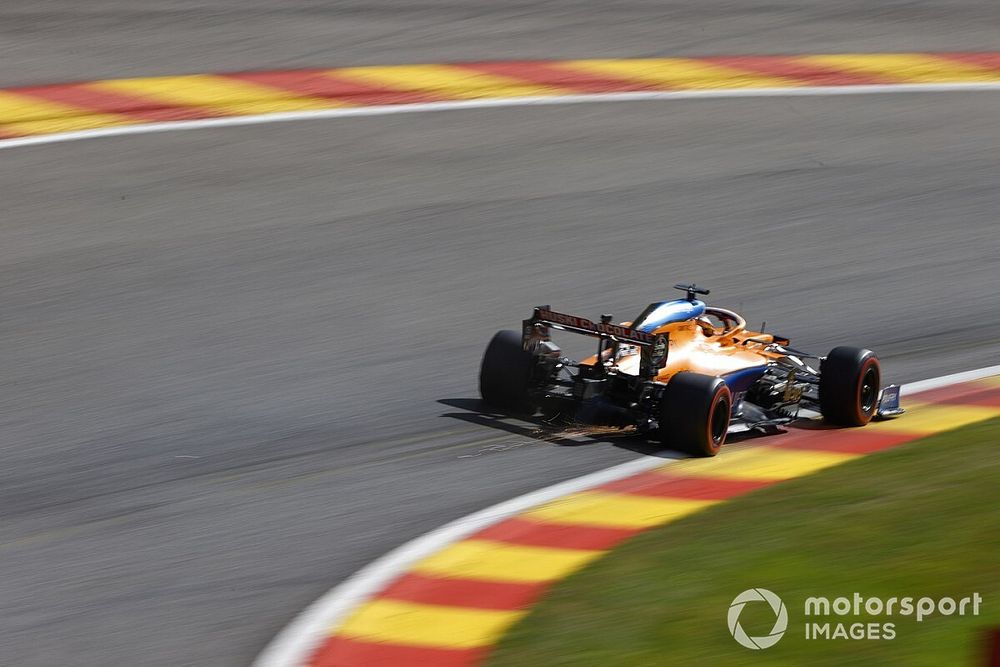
{"points": [[583, 325]]}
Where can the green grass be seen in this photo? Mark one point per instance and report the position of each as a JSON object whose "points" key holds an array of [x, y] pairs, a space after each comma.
{"points": [[920, 520]]}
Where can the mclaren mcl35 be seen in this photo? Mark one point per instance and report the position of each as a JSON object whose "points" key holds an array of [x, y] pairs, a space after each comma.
{"points": [[684, 371]]}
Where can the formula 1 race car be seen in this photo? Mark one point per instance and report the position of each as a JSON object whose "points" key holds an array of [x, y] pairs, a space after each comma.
{"points": [[682, 369]]}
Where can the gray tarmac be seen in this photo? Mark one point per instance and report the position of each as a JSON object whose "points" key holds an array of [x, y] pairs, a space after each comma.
{"points": [[49, 41]]}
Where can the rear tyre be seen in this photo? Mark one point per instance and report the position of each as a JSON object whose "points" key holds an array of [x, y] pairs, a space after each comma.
{"points": [[849, 381], [694, 413], [505, 373]]}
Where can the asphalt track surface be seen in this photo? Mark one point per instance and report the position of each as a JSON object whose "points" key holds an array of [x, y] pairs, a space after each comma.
{"points": [[225, 351], [67, 40]]}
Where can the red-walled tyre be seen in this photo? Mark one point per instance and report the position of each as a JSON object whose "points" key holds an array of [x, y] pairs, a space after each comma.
{"points": [[505, 373], [694, 413], [849, 381]]}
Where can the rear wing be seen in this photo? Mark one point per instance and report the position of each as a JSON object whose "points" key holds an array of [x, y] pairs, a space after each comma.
{"points": [[653, 348], [581, 325]]}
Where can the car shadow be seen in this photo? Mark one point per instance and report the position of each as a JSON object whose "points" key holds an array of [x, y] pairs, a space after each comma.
{"points": [[565, 432]]}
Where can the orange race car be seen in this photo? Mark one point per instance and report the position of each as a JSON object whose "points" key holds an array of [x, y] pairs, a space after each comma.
{"points": [[688, 371]]}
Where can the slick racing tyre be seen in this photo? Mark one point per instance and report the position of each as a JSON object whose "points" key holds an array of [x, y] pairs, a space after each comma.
{"points": [[505, 373], [849, 380], [694, 413]]}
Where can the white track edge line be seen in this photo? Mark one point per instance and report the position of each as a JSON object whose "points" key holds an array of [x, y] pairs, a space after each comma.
{"points": [[297, 640], [945, 380], [496, 102], [292, 646]]}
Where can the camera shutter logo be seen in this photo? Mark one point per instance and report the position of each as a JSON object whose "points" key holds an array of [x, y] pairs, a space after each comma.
{"points": [[780, 622]]}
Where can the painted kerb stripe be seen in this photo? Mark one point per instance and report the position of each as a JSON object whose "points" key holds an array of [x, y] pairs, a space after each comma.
{"points": [[501, 559], [127, 106]]}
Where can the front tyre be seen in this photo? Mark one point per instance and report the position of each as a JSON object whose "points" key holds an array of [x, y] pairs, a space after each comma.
{"points": [[849, 381], [694, 413], [505, 373]]}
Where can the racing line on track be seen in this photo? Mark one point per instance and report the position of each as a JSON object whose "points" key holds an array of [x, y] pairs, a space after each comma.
{"points": [[446, 598]]}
